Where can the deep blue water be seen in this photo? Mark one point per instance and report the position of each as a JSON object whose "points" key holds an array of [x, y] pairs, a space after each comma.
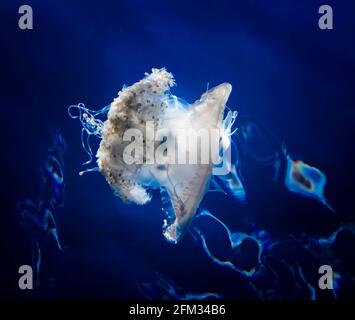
{"points": [[287, 75]]}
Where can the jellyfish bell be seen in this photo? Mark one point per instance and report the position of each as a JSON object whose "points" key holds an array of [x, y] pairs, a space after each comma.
{"points": [[130, 143]]}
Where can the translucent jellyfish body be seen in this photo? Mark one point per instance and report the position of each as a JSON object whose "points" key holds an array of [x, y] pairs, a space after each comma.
{"points": [[137, 154], [306, 180]]}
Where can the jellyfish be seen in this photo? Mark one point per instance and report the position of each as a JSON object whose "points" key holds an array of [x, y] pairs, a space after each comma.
{"points": [[165, 152], [306, 180], [148, 141], [259, 146]]}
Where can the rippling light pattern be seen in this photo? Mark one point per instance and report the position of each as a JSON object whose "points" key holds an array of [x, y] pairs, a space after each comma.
{"points": [[164, 289], [274, 255], [38, 217]]}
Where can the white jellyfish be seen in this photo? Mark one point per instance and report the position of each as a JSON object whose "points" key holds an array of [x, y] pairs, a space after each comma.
{"points": [[147, 113]]}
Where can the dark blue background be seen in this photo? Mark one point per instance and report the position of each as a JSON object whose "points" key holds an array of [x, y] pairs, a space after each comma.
{"points": [[286, 73]]}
